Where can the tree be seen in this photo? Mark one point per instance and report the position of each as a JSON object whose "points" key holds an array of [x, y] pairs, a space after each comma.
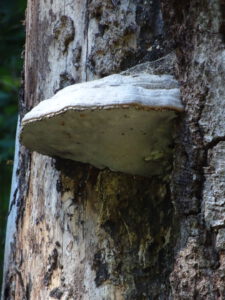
{"points": [[75, 232]]}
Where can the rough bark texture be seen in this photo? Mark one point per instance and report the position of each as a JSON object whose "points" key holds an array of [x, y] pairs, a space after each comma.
{"points": [[86, 234], [197, 31]]}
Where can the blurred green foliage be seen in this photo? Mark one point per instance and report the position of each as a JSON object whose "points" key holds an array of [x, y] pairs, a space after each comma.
{"points": [[12, 37]]}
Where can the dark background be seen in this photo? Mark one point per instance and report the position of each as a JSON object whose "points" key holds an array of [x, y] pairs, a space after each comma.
{"points": [[12, 39]]}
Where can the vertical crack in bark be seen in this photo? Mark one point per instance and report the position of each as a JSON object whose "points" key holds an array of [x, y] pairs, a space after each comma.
{"points": [[86, 28]]}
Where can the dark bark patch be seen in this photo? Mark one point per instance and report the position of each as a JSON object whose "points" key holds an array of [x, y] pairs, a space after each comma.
{"points": [[52, 15], [39, 219], [8, 291], [28, 288], [23, 166], [59, 186], [22, 106], [65, 79], [222, 26], [57, 243], [52, 265], [56, 293], [38, 43], [101, 268], [139, 223], [64, 32], [77, 174], [77, 51], [110, 227]]}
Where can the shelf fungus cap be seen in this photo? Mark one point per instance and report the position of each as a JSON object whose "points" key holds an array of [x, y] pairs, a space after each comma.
{"points": [[121, 122]]}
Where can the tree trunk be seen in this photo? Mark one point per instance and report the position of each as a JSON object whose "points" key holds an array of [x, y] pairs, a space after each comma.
{"points": [[75, 232]]}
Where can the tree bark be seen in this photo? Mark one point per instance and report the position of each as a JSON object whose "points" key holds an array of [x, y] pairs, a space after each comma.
{"points": [[197, 30], [75, 232]]}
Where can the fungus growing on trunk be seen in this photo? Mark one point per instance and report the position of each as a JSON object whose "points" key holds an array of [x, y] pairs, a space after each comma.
{"points": [[121, 122]]}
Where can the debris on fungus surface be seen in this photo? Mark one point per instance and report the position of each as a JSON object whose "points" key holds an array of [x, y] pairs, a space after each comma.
{"points": [[121, 122]]}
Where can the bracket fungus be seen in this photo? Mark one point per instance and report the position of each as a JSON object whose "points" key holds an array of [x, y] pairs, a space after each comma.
{"points": [[121, 122]]}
